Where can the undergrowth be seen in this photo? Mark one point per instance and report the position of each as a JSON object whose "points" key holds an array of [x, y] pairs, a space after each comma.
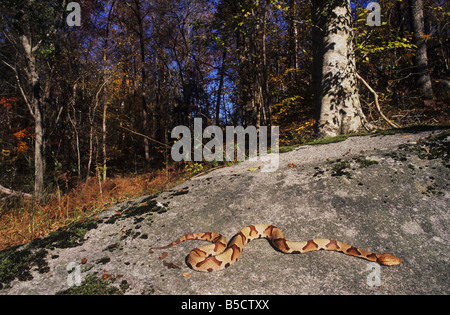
{"points": [[22, 221]]}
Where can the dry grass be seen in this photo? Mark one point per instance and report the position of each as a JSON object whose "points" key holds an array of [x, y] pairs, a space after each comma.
{"points": [[22, 221]]}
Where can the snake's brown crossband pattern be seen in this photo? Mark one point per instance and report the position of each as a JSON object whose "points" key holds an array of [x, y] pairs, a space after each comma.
{"points": [[220, 255]]}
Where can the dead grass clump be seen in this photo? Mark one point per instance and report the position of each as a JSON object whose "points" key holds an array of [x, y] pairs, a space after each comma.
{"points": [[22, 221]]}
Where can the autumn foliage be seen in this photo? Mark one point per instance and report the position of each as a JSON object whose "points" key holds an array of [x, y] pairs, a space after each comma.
{"points": [[22, 221], [110, 91]]}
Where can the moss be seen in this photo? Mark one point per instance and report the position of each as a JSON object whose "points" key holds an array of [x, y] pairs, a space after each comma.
{"points": [[103, 260], [17, 263], [409, 129], [148, 206], [124, 285], [95, 286], [66, 237], [397, 156], [328, 140], [285, 149], [339, 168], [180, 192], [434, 190], [436, 147], [364, 162]]}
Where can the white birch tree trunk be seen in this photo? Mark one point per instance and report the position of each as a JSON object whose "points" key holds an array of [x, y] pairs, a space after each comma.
{"points": [[337, 100]]}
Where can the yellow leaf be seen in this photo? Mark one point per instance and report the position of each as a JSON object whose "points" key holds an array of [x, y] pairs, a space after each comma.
{"points": [[6, 152]]}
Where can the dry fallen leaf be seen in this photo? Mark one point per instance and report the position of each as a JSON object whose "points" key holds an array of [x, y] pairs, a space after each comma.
{"points": [[106, 275], [150, 251], [187, 275], [164, 255], [83, 260]]}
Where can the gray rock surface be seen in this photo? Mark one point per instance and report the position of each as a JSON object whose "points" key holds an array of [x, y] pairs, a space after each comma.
{"points": [[366, 191]]}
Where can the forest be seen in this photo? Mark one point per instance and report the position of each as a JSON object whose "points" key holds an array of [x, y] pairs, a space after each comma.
{"points": [[86, 111]]}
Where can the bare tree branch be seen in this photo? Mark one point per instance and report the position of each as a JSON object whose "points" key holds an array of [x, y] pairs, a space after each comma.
{"points": [[20, 87], [375, 95]]}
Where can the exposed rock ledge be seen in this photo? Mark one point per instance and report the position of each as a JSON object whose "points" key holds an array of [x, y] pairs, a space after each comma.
{"points": [[365, 191]]}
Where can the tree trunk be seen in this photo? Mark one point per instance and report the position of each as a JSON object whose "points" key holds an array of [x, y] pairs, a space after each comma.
{"points": [[219, 91], [338, 108], [421, 58], [267, 104], [106, 94], [38, 115], [140, 21], [104, 134], [39, 164], [73, 122], [293, 38], [28, 38]]}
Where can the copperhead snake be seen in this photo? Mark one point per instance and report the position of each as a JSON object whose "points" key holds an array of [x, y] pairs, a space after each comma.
{"points": [[220, 255]]}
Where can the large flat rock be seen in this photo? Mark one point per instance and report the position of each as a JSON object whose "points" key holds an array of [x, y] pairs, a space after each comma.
{"points": [[366, 191]]}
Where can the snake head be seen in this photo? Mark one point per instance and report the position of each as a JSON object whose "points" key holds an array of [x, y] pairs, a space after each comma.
{"points": [[388, 260]]}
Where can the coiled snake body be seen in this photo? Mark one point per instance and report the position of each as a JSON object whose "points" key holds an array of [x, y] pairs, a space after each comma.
{"points": [[219, 255]]}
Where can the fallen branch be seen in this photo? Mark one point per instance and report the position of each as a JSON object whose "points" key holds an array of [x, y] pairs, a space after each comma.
{"points": [[13, 193], [144, 136], [154, 140], [375, 95]]}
